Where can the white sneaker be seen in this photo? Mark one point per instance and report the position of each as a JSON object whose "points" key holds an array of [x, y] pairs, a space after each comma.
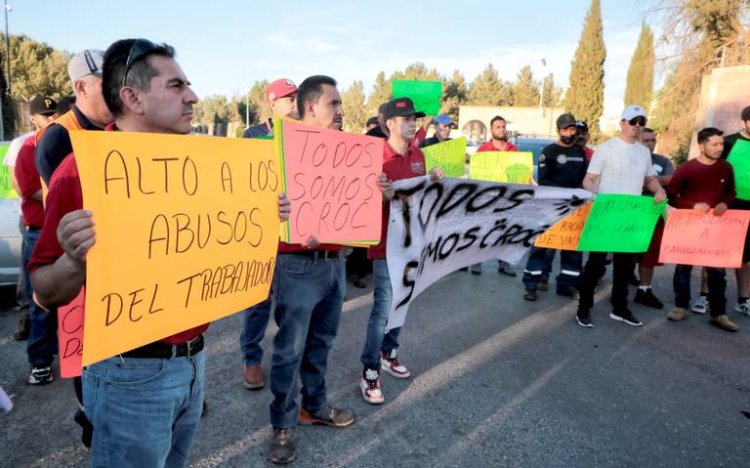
{"points": [[369, 384], [700, 306], [389, 363], [743, 307]]}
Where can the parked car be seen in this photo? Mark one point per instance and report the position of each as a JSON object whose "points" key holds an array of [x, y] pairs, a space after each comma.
{"points": [[10, 236]]}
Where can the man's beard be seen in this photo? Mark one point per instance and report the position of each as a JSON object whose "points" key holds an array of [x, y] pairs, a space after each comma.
{"points": [[503, 138]]}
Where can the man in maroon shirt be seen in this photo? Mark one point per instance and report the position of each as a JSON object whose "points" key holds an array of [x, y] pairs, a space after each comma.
{"points": [[703, 184], [401, 160], [146, 403]]}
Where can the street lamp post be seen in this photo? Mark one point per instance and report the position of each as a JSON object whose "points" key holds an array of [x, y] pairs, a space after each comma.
{"points": [[7, 9]]}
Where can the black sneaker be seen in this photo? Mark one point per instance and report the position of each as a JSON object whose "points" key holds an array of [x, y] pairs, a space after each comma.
{"points": [[625, 316], [648, 299], [283, 449], [529, 295], [583, 317], [40, 376]]}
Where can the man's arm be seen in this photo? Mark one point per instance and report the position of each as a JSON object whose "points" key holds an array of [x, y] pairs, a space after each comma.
{"points": [[591, 182], [653, 186]]}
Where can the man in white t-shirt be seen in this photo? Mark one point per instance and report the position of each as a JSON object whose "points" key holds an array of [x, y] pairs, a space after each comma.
{"points": [[620, 165]]}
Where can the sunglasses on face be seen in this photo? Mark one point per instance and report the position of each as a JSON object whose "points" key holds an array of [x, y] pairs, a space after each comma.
{"points": [[139, 49], [640, 121]]}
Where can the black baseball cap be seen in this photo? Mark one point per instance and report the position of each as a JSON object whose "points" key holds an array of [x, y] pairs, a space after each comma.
{"points": [[372, 121], [582, 125], [566, 120], [42, 105], [402, 107]]}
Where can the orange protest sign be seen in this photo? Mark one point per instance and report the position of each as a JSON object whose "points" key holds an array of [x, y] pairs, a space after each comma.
{"points": [[186, 233], [565, 234], [331, 180], [70, 336], [693, 238]]}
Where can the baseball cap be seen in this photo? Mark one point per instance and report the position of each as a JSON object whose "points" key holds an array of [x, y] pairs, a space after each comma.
{"points": [[632, 112], [443, 119], [566, 120], [85, 63], [372, 121], [746, 113], [280, 88], [403, 107], [42, 105], [582, 125]]}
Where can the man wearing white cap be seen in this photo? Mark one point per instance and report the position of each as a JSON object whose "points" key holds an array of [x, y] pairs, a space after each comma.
{"points": [[620, 165], [89, 112]]}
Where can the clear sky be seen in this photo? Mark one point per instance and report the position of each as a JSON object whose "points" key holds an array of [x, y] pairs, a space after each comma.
{"points": [[226, 45]]}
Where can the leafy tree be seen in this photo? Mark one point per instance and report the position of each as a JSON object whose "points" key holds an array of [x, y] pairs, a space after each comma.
{"points": [[259, 111], [640, 84], [214, 109], [37, 69], [353, 102], [552, 94], [525, 89], [488, 89], [585, 96], [381, 92], [455, 93]]}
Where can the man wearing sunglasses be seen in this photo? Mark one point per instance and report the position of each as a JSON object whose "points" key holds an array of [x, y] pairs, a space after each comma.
{"points": [[145, 404], [620, 165]]}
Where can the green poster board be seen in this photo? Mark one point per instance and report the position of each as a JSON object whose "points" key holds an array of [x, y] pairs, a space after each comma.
{"points": [[450, 155], [425, 94], [7, 191], [739, 158]]}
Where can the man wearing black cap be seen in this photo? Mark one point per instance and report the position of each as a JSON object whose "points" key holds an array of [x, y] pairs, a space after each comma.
{"points": [[735, 151], [582, 138], [42, 344], [401, 160], [561, 164]]}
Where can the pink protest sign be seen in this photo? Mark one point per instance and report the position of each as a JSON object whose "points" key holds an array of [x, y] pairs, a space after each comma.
{"points": [[331, 180], [70, 336], [693, 238]]}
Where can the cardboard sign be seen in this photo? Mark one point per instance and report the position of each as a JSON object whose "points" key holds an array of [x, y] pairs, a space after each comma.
{"points": [[331, 179], [424, 94], [186, 233], [450, 155], [70, 336], [566, 233], [437, 227], [694, 238], [739, 158], [513, 167], [6, 178], [620, 223]]}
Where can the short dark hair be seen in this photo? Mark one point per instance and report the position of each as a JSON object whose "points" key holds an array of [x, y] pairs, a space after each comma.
{"points": [[310, 90], [138, 75], [497, 118], [707, 133], [647, 130], [745, 115], [65, 104]]}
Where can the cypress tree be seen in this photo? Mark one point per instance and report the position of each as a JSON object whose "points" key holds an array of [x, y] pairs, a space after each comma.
{"points": [[585, 95], [640, 85]]}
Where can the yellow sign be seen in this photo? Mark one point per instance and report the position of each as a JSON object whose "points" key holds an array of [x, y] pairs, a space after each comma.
{"points": [[502, 166], [186, 233]]}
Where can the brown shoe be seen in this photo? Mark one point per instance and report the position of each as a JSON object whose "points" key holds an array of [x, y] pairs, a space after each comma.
{"points": [[283, 449], [327, 416], [723, 322], [678, 314], [253, 378]]}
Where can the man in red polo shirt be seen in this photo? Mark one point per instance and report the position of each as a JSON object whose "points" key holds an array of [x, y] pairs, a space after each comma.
{"points": [[146, 403], [401, 160]]}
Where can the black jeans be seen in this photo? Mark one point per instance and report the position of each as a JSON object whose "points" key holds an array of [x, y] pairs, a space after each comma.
{"points": [[717, 287], [622, 264]]}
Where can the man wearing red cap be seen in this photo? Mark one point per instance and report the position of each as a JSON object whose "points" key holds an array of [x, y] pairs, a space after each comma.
{"points": [[281, 97]]}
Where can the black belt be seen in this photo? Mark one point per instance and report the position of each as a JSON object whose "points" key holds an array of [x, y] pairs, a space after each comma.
{"points": [[166, 351], [318, 254]]}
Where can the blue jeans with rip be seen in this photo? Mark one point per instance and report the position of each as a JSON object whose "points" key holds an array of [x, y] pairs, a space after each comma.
{"points": [[42, 345], [377, 339], [145, 410], [309, 294], [255, 322]]}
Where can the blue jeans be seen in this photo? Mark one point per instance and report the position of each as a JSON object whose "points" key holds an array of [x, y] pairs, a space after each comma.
{"points": [[42, 345], [377, 339], [717, 286], [539, 267], [309, 294], [253, 331], [145, 410]]}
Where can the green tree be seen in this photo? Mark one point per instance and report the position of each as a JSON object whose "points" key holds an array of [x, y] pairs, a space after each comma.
{"points": [[214, 109], [417, 71], [381, 92], [355, 113], [525, 89], [37, 69], [455, 93], [259, 111], [585, 96], [552, 94], [488, 89], [640, 84]]}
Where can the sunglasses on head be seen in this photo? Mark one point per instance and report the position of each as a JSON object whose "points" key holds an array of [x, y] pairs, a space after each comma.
{"points": [[640, 120], [139, 49]]}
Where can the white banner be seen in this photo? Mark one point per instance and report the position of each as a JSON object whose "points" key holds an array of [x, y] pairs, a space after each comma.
{"points": [[436, 228]]}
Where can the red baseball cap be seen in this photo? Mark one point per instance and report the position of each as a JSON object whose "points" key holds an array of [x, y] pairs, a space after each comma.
{"points": [[280, 88]]}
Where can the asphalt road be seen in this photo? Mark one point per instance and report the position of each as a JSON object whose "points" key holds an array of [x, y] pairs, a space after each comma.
{"points": [[496, 381]]}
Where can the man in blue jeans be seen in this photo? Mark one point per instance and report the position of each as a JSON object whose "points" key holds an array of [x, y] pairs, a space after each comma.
{"points": [[401, 160]]}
